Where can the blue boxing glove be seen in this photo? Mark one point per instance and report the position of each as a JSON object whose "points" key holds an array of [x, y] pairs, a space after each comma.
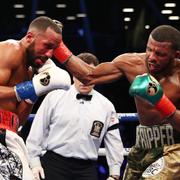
{"points": [[49, 78], [147, 87], [21, 90]]}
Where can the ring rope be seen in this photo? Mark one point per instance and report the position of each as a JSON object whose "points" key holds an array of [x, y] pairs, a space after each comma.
{"points": [[123, 117]]}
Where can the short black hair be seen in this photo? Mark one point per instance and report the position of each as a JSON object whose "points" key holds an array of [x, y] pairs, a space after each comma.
{"points": [[43, 22], [167, 33], [89, 58]]}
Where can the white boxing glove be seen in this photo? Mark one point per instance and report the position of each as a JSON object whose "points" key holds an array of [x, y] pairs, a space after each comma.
{"points": [[38, 173], [48, 64], [50, 78]]}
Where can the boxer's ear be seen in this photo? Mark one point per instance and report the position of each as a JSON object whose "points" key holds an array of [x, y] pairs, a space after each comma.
{"points": [[29, 37]]}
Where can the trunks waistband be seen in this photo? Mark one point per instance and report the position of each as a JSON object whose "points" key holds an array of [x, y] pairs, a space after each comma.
{"points": [[148, 137], [9, 120]]}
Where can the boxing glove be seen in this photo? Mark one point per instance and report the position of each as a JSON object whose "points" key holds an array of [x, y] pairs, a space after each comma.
{"points": [[48, 64], [47, 80], [147, 87], [62, 53]]}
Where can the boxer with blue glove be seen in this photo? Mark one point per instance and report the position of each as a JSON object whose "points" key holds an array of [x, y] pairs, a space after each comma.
{"points": [[20, 88]]}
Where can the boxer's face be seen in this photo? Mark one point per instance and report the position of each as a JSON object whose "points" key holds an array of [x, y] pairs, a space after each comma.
{"points": [[83, 89], [42, 47], [159, 55]]}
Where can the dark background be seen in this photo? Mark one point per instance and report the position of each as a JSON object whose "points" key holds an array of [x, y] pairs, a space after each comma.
{"points": [[102, 32]]}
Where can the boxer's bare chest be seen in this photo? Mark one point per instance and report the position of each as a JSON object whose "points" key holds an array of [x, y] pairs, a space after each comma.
{"points": [[19, 75], [147, 113], [171, 87]]}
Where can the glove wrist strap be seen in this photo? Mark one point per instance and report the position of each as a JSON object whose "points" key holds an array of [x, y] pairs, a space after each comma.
{"points": [[165, 106]]}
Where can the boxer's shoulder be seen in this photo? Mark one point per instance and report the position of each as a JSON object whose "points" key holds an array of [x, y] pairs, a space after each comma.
{"points": [[130, 61], [10, 43], [130, 57], [12, 46], [12, 53]]}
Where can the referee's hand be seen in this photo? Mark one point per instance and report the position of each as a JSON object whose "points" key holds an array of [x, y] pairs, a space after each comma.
{"points": [[38, 173], [113, 177]]}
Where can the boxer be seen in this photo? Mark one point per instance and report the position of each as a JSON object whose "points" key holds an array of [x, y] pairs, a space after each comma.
{"points": [[158, 104], [26, 72]]}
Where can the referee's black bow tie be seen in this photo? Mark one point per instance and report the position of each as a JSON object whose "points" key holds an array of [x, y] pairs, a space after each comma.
{"points": [[85, 97]]}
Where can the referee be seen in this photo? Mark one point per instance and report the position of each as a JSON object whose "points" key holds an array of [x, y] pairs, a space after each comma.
{"points": [[68, 130]]}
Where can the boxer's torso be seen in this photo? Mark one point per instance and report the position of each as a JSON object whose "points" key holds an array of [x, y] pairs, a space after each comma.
{"points": [[13, 68], [135, 64]]}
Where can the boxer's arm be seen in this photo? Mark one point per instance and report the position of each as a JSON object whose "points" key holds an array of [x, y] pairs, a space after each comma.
{"points": [[175, 120], [103, 73], [124, 64], [79, 69], [23, 110], [5, 91]]}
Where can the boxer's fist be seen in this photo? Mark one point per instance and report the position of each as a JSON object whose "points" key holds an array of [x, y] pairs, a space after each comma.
{"points": [[62, 53], [50, 79], [47, 80], [48, 64], [148, 88]]}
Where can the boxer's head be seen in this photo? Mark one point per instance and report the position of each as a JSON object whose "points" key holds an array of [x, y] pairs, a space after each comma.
{"points": [[91, 60], [43, 36], [162, 48]]}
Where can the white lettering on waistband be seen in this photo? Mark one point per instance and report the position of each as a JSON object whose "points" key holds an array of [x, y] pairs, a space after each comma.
{"points": [[154, 136]]}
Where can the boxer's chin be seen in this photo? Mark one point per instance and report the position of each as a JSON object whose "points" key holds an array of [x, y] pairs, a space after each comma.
{"points": [[38, 63]]}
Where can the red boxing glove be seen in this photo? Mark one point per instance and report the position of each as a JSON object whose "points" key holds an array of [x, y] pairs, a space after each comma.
{"points": [[62, 53], [165, 106]]}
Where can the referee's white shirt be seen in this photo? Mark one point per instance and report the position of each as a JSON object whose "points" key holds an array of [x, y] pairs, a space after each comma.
{"points": [[75, 128]]}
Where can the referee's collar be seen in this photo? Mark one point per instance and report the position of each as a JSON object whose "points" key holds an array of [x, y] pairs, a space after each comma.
{"points": [[89, 95]]}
